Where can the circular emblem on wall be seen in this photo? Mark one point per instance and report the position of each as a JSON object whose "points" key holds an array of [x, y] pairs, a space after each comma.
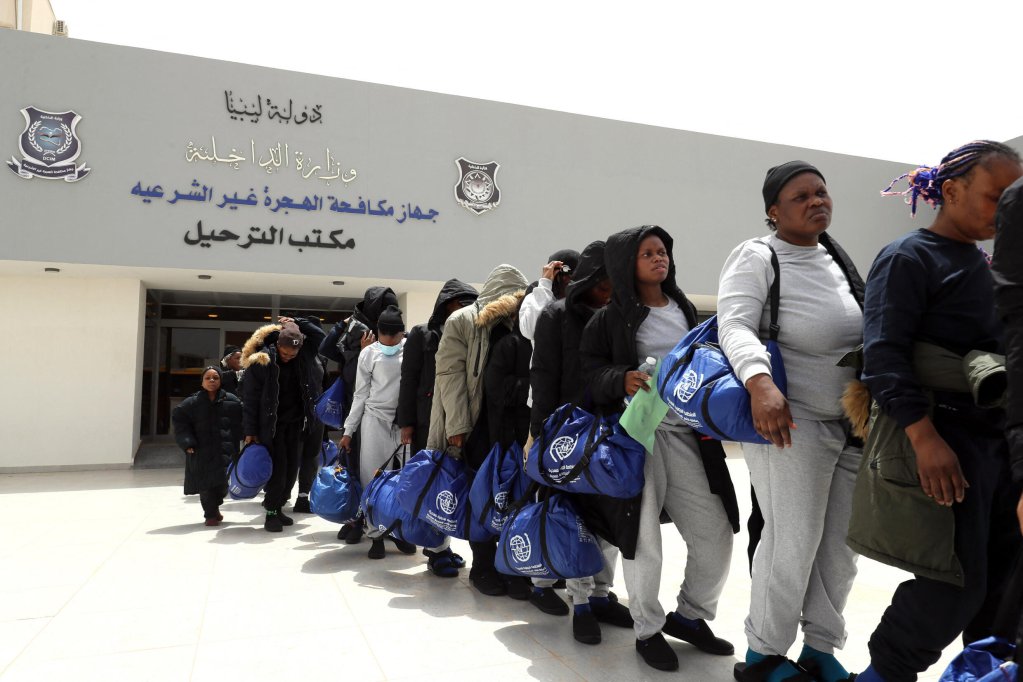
{"points": [[477, 189]]}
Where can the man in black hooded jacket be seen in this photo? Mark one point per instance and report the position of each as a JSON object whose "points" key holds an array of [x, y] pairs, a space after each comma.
{"points": [[418, 365], [282, 382]]}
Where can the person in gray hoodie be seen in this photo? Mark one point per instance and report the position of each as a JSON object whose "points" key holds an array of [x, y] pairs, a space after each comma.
{"points": [[458, 422]]}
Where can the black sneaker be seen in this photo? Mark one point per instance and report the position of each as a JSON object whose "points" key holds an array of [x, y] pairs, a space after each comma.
{"points": [[302, 505], [344, 531], [585, 628], [286, 520], [519, 587], [548, 601], [700, 636], [376, 550], [354, 536], [613, 614], [488, 583], [656, 653], [273, 523], [402, 546]]}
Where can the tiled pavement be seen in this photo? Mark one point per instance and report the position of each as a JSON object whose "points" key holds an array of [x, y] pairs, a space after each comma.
{"points": [[111, 575]]}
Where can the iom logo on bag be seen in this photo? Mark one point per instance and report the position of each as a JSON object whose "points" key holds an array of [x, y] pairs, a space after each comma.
{"points": [[686, 388], [563, 447], [521, 548], [501, 501], [382, 528], [447, 502]]}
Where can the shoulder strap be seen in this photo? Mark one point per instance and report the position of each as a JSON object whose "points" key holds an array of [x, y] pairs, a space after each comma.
{"points": [[846, 264], [774, 294]]}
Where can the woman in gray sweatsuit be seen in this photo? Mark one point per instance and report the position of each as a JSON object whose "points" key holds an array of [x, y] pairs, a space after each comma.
{"points": [[802, 569]]}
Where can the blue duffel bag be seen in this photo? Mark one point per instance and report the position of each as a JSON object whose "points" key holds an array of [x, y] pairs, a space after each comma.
{"points": [[382, 511], [578, 452], [330, 407], [698, 383], [250, 472], [335, 494], [499, 483], [547, 539], [435, 489]]}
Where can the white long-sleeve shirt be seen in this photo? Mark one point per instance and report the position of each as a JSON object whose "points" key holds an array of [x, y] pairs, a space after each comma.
{"points": [[539, 298], [377, 379]]}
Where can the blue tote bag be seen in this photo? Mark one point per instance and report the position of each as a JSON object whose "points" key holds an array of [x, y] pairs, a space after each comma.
{"points": [[698, 383], [383, 512], [335, 494], [547, 539], [499, 483], [435, 489], [330, 407], [247, 476], [578, 452]]}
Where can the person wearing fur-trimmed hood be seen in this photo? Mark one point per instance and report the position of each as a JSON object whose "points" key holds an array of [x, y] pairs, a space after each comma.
{"points": [[282, 383], [458, 422]]}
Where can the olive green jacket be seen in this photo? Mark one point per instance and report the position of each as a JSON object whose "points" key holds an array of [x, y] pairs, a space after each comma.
{"points": [[892, 520]]}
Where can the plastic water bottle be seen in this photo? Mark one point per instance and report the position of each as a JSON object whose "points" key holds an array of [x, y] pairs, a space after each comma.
{"points": [[646, 367]]}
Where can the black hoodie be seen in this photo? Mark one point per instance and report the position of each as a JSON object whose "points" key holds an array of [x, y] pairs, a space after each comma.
{"points": [[418, 367], [608, 351], [556, 376]]}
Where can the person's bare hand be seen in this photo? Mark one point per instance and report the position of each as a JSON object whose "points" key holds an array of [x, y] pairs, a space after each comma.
{"points": [[770, 411], [636, 381], [941, 477], [550, 270], [368, 339], [345, 443], [407, 433], [286, 320], [457, 441], [250, 439]]}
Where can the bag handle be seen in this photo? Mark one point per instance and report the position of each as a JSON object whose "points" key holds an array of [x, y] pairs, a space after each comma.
{"points": [[429, 482], [545, 555]]}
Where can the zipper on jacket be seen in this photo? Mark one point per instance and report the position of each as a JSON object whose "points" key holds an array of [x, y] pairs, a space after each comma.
{"points": [[479, 352]]}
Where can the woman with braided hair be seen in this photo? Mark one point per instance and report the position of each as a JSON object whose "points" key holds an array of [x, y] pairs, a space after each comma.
{"points": [[929, 303]]}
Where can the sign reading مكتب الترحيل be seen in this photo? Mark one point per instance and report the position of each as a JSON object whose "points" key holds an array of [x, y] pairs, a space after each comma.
{"points": [[476, 189], [49, 146]]}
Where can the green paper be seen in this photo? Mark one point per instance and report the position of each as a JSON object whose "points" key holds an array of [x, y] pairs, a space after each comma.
{"points": [[645, 413]]}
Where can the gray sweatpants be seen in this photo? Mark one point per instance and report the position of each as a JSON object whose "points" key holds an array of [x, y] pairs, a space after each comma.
{"points": [[677, 482], [379, 441], [599, 585], [802, 570]]}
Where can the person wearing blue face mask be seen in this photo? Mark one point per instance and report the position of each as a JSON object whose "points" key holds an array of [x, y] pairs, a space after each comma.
{"points": [[374, 405]]}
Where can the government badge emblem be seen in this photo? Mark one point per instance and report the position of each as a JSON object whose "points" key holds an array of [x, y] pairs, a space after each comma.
{"points": [[49, 146], [477, 188]]}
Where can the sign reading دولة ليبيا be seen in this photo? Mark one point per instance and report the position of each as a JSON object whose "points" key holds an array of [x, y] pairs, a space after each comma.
{"points": [[49, 146]]}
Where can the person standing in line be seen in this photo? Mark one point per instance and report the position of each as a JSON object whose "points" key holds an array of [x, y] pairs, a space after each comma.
{"points": [[343, 345], [231, 369], [458, 422], [419, 367], [933, 288], [282, 383], [208, 427], [802, 569], [556, 379], [685, 475]]}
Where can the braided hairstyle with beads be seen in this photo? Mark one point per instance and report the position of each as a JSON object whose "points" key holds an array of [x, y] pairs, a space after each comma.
{"points": [[925, 182]]}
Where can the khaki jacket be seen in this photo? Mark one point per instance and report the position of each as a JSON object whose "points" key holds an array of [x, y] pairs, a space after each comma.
{"points": [[462, 355]]}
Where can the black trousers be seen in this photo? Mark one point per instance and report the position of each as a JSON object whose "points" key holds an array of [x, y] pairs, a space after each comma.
{"points": [[211, 500], [926, 615], [312, 441], [286, 454]]}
